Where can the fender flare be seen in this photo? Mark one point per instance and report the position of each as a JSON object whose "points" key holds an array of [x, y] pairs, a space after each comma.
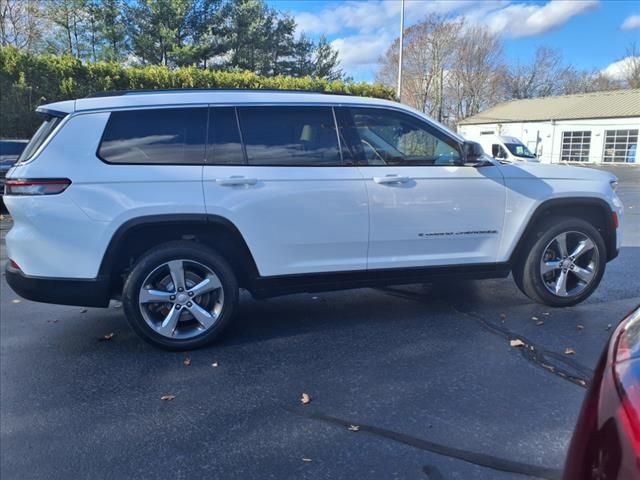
{"points": [[109, 257], [609, 236]]}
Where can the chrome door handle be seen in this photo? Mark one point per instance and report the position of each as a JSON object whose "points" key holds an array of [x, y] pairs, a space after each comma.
{"points": [[390, 179], [233, 181]]}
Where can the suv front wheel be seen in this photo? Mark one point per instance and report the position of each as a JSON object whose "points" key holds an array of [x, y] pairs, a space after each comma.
{"points": [[180, 296], [563, 262]]}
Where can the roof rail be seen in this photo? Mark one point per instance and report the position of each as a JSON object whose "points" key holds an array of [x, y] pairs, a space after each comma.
{"points": [[117, 93]]}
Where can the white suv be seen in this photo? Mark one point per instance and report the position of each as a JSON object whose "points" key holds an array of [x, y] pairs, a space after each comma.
{"points": [[174, 200]]}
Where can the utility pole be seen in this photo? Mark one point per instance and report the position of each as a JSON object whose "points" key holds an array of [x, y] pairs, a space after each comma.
{"points": [[399, 93]]}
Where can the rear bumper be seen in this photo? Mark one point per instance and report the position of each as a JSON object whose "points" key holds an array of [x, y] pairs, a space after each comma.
{"points": [[63, 291]]}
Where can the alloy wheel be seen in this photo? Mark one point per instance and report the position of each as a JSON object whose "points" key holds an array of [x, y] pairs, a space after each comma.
{"points": [[569, 264], [181, 299]]}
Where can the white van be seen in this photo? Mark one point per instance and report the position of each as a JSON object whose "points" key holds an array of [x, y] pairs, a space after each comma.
{"points": [[510, 149]]}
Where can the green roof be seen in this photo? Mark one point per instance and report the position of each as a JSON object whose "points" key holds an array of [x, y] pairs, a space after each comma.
{"points": [[610, 104]]}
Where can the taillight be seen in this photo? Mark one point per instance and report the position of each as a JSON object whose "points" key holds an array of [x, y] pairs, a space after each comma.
{"points": [[615, 220], [37, 186]]}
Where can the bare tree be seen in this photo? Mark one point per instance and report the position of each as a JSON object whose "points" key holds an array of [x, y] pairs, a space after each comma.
{"points": [[631, 68], [540, 78], [20, 24], [583, 81], [474, 81], [428, 55]]}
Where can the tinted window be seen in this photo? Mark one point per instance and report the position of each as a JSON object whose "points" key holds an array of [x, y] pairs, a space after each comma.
{"points": [[11, 148], [224, 137], [47, 127], [385, 137], [304, 136], [165, 136]]}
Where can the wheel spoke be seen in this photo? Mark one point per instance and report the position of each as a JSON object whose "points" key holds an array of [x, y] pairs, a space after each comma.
{"points": [[561, 284], [154, 296], [207, 285], [203, 317], [583, 247], [561, 240], [583, 274], [170, 322], [176, 268], [550, 266]]}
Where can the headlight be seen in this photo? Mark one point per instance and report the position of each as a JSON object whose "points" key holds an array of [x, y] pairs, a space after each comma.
{"points": [[614, 184]]}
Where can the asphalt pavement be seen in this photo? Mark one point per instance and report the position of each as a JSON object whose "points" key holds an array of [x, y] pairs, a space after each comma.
{"points": [[415, 382]]}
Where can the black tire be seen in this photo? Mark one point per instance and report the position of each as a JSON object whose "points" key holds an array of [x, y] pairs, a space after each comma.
{"points": [[193, 254], [527, 270]]}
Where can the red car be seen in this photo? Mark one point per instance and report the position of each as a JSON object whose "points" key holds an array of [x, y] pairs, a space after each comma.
{"points": [[606, 441]]}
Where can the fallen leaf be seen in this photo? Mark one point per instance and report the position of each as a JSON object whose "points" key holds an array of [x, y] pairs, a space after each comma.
{"points": [[15, 300], [516, 343], [186, 362], [569, 351], [609, 327], [580, 327], [214, 364], [306, 459], [106, 337], [167, 398], [534, 318], [306, 399], [353, 428], [540, 322]]}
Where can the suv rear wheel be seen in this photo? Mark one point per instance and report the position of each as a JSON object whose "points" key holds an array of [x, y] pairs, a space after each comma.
{"points": [[563, 263], [180, 296]]}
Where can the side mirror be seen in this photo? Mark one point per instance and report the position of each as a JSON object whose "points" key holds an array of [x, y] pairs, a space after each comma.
{"points": [[473, 154]]}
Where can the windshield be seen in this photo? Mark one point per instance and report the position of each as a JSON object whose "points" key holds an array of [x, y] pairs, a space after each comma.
{"points": [[519, 150], [49, 124]]}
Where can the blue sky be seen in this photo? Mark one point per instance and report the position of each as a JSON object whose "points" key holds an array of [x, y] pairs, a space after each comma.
{"points": [[589, 33]]}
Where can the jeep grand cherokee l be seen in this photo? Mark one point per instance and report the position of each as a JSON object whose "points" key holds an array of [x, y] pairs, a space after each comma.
{"points": [[175, 200]]}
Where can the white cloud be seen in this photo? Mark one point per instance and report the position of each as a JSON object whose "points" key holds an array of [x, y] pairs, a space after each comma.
{"points": [[367, 28], [525, 20], [369, 16], [616, 70], [361, 52], [631, 23]]}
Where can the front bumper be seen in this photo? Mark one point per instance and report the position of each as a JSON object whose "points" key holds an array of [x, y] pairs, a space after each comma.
{"points": [[92, 292]]}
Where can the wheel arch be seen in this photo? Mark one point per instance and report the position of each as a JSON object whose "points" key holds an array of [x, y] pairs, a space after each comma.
{"points": [[136, 236], [595, 210]]}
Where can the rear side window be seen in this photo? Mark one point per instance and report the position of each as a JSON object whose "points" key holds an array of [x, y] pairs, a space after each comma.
{"points": [[44, 131], [224, 137], [158, 136], [290, 136]]}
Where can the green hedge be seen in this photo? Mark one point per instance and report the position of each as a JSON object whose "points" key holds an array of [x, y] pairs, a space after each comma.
{"points": [[27, 81]]}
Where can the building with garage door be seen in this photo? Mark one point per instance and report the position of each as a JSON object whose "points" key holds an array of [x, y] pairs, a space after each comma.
{"points": [[598, 127]]}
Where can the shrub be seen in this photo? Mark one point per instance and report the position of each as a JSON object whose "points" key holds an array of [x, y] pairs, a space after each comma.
{"points": [[27, 81]]}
